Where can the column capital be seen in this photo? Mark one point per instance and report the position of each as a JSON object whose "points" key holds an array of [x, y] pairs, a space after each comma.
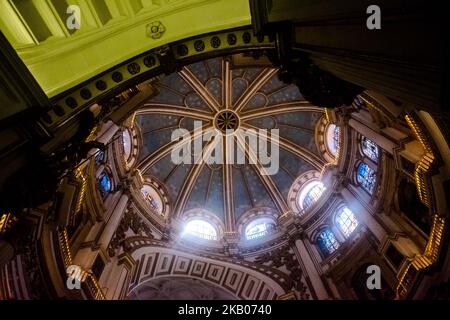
{"points": [[298, 235], [126, 259], [231, 244], [343, 115], [126, 184]]}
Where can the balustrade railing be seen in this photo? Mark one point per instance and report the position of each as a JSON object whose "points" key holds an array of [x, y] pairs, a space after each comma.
{"points": [[88, 278], [422, 261], [422, 176]]}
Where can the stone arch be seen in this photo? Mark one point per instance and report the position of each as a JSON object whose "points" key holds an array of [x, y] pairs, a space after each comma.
{"points": [[179, 288], [245, 280]]}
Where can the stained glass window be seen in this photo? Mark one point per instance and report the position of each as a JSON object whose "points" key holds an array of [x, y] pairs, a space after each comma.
{"points": [[104, 184], [154, 204], [370, 149], [366, 177], [313, 194], [332, 137], [346, 221], [201, 229], [336, 133], [126, 137], [99, 157], [153, 198], [258, 229], [327, 242]]}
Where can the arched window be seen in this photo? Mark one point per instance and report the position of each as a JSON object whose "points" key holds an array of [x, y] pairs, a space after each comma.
{"points": [[127, 144], [370, 149], [310, 194], [259, 228], [359, 102], [346, 221], [332, 135], [99, 157], [153, 198], [313, 194], [336, 133], [104, 184], [327, 242], [366, 177], [200, 229]]}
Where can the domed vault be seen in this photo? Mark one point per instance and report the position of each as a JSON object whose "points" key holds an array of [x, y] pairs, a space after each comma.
{"points": [[213, 95]]}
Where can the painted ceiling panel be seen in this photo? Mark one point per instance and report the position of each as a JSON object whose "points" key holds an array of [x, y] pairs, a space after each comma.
{"points": [[250, 74], [259, 100], [157, 130], [169, 96], [194, 101], [150, 122], [239, 87], [294, 164], [215, 201], [215, 67], [242, 201], [272, 85], [175, 180], [175, 82], [199, 192], [297, 136], [258, 192], [214, 87], [238, 73], [189, 123], [162, 168], [264, 122], [286, 94], [305, 120], [283, 181], [158, 140], [200, 71]]}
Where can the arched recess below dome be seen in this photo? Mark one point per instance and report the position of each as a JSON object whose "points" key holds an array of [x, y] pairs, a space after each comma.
{"points": [[241, 279], [179, 288]]}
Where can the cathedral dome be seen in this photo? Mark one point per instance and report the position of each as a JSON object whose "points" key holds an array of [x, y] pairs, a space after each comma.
{"points": [[228, 140]]}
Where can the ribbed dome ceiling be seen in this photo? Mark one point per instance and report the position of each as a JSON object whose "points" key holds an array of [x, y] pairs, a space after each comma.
{"points": [[224, 97]]}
